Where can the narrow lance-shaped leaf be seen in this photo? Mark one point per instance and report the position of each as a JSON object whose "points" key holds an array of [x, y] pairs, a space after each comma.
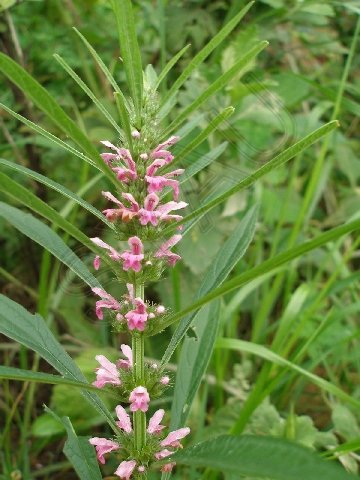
{"points": [[130, 51], [205, 52], [32, 332], [170, 65], [44, 236], [267, 354], [58, 188], [26, 197], [264, 267], [194, 360], [88, 92], [277, 161], [213, 125], [219, 83], [79, 451], [260, 457], [43, 100], [232, 251]]}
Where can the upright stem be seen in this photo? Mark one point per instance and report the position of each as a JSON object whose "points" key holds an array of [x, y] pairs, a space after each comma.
{"points": [[139, 418]]}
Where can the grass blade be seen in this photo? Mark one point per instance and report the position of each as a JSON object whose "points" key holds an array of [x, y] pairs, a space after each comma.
{"points": [[88, 92], [129, 50], [265, 267], [205, 52], [231, 252], [58, 188], [44, 236], [221, 82]]}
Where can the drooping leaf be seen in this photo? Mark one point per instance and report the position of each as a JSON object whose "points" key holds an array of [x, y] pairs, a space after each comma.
{"points": [[232, 251], [44, 236], [260, 457], [32, 331], [58, 188], [79, 451]]}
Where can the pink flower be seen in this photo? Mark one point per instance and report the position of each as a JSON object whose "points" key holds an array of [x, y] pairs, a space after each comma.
{"points": [[132, 258], [164, 250], [158, 183], [125, 469], [124, 213], [126, 350], [114, 255], [152, 213], [160, 309], [154, 426], [97, 262], [107, 373], [165, 380], [135, 134], [163, 454], [122, 154], [107, 301], [124, 420], [160, 151], [139, 399], [172, 440], [137, 318], [167, 468], [103, 446]]}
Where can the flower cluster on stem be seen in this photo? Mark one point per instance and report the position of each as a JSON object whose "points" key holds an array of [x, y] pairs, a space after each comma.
{"points": [[140, 215]]}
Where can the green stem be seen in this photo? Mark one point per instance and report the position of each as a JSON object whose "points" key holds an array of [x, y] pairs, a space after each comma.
{"points": [[139, 418]]}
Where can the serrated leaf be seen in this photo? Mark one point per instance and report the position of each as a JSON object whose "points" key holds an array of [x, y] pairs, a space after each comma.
{"points": [[32, 331], [44, 236], [262, 457]]}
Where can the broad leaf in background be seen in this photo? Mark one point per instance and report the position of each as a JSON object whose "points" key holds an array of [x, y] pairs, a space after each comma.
{"points": [[260, 457], [79, 451], [32, 331], [232, 251], [194, 360], [47, 238]]}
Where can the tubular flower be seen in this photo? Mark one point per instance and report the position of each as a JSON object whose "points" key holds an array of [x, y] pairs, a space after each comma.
{"points": [[153, 213], [107, 301], [164, 250], [154, 426], [124, 156], [127, 352], [106, 373], [139, 399], [133, 257], [124, 213], [172, 440], [124, 422], [102, 446], [137, 318], [125, 469], [113, 254]]}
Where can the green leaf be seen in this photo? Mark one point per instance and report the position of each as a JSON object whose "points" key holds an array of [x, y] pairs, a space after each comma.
{"points": [[44, 236], [78, 450], [10, 373], [124, 117], [215, 122], [170, 65], [58, 188], [43, 100], [277, 161], [265, 267], [88, 92], [205, 52], [267, 354], [203, 162], [194, 360], [129, 49], [260, 457], [49, 136], [32, 331], [219, 83], [228, 256]]}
